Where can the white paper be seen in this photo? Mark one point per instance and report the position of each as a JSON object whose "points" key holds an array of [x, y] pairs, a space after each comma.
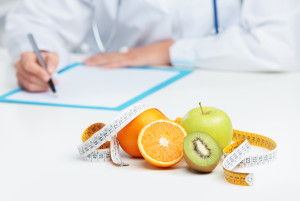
{"points": [[92, 86]]}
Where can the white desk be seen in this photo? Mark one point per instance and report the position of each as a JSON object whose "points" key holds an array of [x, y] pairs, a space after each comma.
{"points": [[40, 161]]}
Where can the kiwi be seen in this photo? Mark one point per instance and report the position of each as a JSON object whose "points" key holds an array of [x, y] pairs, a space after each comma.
{"points": [[201, 152]]}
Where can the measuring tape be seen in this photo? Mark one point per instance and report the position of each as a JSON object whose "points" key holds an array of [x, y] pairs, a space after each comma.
{"points": [[89, 148], [236, 156], [102, 154]]}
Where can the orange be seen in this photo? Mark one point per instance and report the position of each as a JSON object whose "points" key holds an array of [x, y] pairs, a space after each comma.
{"points": [[161, 143], [91, 130], [129, 134]]}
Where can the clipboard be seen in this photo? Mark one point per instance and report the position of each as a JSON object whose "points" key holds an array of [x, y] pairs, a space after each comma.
{"points": [[93, 88]]}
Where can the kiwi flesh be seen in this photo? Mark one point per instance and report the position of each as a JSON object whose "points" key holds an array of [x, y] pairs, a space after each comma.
{"points": [[201, 152]]}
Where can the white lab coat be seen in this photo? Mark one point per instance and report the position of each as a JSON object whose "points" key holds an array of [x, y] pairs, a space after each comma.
{"points": [[257, 35]]}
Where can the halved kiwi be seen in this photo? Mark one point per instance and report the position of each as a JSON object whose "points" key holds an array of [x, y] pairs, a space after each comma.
{"points": [[201, 151]]}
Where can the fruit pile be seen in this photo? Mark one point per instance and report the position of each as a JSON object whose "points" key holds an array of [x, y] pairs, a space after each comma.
{"points": [[200, 137]]}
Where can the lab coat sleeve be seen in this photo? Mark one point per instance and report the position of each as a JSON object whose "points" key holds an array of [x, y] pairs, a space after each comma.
{"points": [[56, 25], [267, 39]]}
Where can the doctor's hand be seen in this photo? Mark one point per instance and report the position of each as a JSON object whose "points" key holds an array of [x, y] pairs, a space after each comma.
{"points": [[31, 76], [151, 55]]}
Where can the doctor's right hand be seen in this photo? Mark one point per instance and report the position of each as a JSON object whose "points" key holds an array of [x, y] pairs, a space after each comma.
{"points": [[31, 76]]}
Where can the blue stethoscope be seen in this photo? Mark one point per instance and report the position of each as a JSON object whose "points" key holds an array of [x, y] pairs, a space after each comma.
{"points": [[104, 47], [216, 21]]}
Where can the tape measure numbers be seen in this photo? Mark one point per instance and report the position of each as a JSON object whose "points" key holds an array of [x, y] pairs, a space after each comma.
{"points": [[236, 156], [89, 148], [102, 154]]}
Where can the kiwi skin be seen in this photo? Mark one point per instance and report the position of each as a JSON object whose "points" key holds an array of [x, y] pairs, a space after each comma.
{"points": [[206, 169], [203, 169]]}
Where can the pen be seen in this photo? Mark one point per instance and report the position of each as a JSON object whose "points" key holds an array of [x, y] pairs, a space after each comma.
{"points": [[40, 59]]}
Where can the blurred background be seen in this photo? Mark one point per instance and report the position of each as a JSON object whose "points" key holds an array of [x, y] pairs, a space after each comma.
{"points": [[5, 6]]}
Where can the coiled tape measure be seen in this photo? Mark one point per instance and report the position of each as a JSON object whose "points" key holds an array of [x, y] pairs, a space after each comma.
{"points": [[101, 144], [236, 156], [89, 149]]}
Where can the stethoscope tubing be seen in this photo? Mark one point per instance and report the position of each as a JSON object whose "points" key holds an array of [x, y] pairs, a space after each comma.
{"points": [[216, 21], [103, 48]]}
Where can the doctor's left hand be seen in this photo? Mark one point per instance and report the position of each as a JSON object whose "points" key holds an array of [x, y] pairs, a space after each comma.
{"points": [[152, 55]]}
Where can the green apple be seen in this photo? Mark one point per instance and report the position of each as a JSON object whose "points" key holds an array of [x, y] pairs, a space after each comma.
{"points": [[209, 120]]}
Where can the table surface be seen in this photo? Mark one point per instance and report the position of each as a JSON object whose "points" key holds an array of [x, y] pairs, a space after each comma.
{"points": [[40, 161]]}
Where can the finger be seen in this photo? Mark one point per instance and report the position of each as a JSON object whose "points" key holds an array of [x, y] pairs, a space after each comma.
{"points": [[126, 60], [18, 64], [117, 64], [94, 60], [31, 66], [32, 78], [29, 76], [29, 86], [51, 61], [102, 59], [32, 87]]}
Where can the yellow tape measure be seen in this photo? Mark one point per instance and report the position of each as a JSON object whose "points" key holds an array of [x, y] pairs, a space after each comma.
{"points": [[236, 156]]}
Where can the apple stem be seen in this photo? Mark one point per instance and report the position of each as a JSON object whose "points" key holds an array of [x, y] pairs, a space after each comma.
{"points": [[201, 107]]}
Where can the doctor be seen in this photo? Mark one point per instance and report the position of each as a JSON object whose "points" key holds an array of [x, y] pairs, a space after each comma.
{"points": [[249, 35]]}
